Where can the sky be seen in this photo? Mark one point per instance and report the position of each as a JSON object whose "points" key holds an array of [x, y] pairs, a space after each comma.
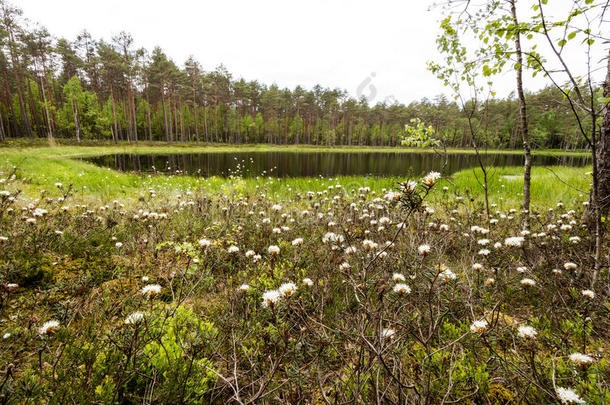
{"points": [[377, 49]]}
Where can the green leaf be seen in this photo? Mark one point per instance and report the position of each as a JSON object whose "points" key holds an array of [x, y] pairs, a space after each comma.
{"points": [[571, 35], [562, 43]]}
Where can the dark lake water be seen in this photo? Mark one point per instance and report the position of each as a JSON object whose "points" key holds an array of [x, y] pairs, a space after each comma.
{"points": [[311, 164]]}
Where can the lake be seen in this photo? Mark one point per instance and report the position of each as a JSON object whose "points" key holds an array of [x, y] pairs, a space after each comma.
{"points": [[312, 164]]}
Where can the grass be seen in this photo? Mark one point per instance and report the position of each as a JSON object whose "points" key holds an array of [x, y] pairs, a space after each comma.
{"points": [[42, 167], [40, 147]]}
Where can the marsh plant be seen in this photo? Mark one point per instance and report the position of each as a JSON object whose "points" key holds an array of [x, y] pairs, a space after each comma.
{"points": [[329, 296]]}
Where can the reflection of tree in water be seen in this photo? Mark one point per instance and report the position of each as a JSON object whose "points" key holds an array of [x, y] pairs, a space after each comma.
{"points": [[296, 164]]}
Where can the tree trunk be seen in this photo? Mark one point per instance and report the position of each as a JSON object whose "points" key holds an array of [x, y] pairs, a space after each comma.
{"points": [[164, 112], [50, 115], [76, 123], [527, 166], [603, 151], [150, 136], [115, 133], [2, 135], [195, 112], [46, 107], [205, 123]]}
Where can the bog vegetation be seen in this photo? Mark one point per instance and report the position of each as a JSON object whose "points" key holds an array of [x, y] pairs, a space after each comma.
{"points": [[186, 295]]}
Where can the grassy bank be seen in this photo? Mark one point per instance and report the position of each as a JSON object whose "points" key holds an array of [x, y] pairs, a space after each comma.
{"points": [[42, 167], [40, 147]]}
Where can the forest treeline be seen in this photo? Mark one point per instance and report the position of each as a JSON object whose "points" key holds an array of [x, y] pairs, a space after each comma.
{"points": [[88, 88]]}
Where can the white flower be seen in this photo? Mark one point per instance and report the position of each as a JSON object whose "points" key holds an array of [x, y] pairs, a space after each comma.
{"points": [[574, 239], [250, 253], [134, 318], [431, 178], [369, 244], [567, 396], [204, 243], [588, 294], [388, 333], [527, 332], [350, 250], [151, 290], [398, 277], [477, 266], [48, 327], [233, 249], [409, 186], [59, 185], [145, 278], [307, 282], [581, 359], [297, 242], [276, 207], [483, 242], [479, 326], [528, 282], [39, 212], [3, 239], [332, 237], [273, 250], [514, 241], [447, 275], [489, 282], [402, 289], [423, 249], [6, 336], [344, 266], [288, 289], [11, 286], [118, 244], [244, 288], [484, 252], [392, 196], [478, 229], [270, 298], [570, 266], [522, 269]]}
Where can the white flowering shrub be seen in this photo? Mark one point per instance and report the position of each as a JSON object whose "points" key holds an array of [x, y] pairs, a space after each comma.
{"points": [[338, 296]]}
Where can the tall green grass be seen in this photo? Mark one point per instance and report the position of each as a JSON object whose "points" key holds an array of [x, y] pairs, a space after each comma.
{"points": [[41, 168]]}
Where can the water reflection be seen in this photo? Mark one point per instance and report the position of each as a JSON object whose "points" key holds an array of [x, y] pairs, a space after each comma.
{"points": [[311, 164]]}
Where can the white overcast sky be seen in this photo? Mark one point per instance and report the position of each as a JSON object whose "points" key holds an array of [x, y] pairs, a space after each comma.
{"points": [[334, 43]]}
